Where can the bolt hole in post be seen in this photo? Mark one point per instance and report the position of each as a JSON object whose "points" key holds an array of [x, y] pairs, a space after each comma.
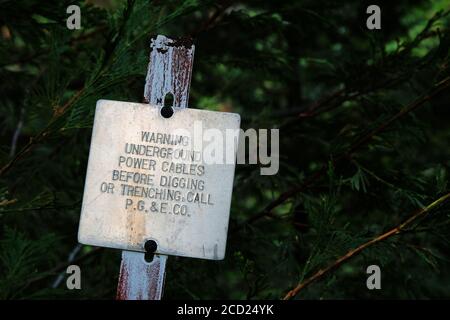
{"points": [[148, 257], [167, 109]]}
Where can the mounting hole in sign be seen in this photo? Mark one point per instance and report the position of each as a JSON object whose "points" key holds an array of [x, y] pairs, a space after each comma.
{"points": [[167, 110], [150, 246]]}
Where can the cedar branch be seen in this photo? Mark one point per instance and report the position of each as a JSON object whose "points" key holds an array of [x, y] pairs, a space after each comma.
{"points": [[60, 267], [350, 254], [42, 135], [267, 211]]}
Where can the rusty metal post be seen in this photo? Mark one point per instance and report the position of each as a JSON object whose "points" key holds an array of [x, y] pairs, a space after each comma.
{"points": [[140, 280], [169, 72]]}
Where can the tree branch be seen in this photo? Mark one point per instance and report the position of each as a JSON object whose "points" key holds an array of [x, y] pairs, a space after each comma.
{"points": [[207, 24], [438, 88], [350, 254], [60, 267], [42, 135]]}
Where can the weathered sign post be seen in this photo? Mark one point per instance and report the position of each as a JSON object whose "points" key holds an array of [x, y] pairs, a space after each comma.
{"points": [[139, 279], [151, 190]]}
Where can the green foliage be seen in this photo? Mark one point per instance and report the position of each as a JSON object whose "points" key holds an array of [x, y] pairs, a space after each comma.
{"points": [[21, 260], [357, 159]]}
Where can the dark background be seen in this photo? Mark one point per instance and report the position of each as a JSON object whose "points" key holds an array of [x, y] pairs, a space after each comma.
{"points": [[353, 163]]}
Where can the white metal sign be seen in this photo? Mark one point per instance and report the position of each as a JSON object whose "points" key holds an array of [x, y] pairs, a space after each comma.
{"points": [[164, 179]]}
